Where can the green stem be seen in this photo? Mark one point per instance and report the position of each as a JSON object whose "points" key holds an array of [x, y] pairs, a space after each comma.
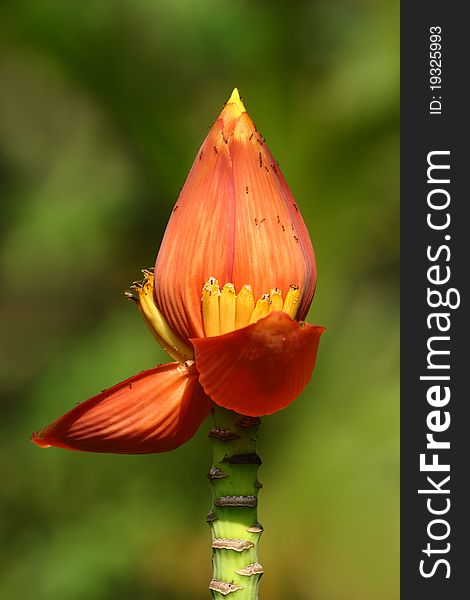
{"points": [[233, 518]]}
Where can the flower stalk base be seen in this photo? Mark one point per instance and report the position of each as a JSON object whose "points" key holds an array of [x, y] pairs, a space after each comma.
{"points": [[233, 517]]}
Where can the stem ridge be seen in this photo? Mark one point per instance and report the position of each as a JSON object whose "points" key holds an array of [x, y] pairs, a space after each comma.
{"points": [[234, 501]]}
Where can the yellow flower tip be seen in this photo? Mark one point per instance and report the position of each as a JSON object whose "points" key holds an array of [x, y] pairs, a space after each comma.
{"points": [[237, 103], [232, 113]]}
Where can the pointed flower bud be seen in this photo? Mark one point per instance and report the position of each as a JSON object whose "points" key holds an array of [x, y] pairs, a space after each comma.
{"points": [[235, 220]]}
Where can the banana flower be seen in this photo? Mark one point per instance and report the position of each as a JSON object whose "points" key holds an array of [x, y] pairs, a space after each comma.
{"points": [[232, 284]]}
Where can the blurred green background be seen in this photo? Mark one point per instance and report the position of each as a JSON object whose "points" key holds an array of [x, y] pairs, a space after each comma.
{"points": [[103, 106]]}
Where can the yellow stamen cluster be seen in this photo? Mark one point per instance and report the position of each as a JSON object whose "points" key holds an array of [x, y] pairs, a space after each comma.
{"points": [[223, 310]]}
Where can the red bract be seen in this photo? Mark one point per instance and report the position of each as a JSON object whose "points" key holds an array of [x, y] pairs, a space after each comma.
{"points": [[243, 346], [234, 220]]}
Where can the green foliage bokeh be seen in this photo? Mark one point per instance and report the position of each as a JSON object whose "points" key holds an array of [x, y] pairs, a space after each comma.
{"points": [[103, 106]]}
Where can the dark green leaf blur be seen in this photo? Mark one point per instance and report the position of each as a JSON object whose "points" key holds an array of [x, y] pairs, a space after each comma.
{"points": [[103, 106]]}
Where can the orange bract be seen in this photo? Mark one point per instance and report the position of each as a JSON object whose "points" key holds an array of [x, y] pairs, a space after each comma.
{"points": [[235, 220], [154, 411]]}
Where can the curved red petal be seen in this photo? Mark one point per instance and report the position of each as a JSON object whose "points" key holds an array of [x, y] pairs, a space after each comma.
{"points": [[261, 368], [155, 411]]}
